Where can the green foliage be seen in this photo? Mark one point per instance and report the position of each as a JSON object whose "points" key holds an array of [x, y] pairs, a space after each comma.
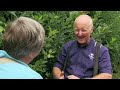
{"points": [[58, 27], [107, 31], [5, 16]]}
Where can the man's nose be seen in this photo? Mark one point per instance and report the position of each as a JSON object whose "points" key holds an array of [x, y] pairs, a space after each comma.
{"points": [[80, 33]]}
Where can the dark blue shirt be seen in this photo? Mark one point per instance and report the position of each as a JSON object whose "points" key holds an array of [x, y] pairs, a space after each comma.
{"points": [[81, 59]]}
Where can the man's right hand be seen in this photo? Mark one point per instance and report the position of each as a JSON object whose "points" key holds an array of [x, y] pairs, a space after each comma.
{"points": [[61, 75], [57, 73]]}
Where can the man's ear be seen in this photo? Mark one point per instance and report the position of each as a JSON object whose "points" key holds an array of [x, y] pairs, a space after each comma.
{"points": [[92, 29]]}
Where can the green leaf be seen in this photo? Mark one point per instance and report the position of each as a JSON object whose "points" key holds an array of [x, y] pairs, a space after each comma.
{"points": [[1, 28]]}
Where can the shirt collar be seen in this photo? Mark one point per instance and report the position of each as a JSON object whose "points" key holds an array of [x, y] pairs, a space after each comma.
{"points": [[4, 54], [84, 46]]}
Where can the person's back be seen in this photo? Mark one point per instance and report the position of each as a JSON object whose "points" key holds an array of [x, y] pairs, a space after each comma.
{"points": [[23, 41], [11, 68]]}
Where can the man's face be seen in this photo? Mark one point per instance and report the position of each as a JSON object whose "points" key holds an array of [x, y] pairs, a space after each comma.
{"points": [[82, 32]]}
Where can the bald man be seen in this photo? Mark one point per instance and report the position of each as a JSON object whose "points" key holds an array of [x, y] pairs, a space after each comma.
{"points": [[80, 64]]}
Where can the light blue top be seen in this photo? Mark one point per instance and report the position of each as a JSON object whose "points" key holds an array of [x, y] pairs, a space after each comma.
{"points": [[16, 70]]}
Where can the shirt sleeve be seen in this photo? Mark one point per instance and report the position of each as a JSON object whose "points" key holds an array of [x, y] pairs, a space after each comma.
{"points": [[61, 58], [104, 61]]}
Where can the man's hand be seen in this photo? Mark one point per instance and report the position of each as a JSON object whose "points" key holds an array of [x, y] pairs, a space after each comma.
{"points": [[102, 76], [57, 73], [72, 77], [61, 75]]}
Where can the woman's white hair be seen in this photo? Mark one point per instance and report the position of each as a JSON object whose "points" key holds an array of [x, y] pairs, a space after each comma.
{"points": [[22, 36]]}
